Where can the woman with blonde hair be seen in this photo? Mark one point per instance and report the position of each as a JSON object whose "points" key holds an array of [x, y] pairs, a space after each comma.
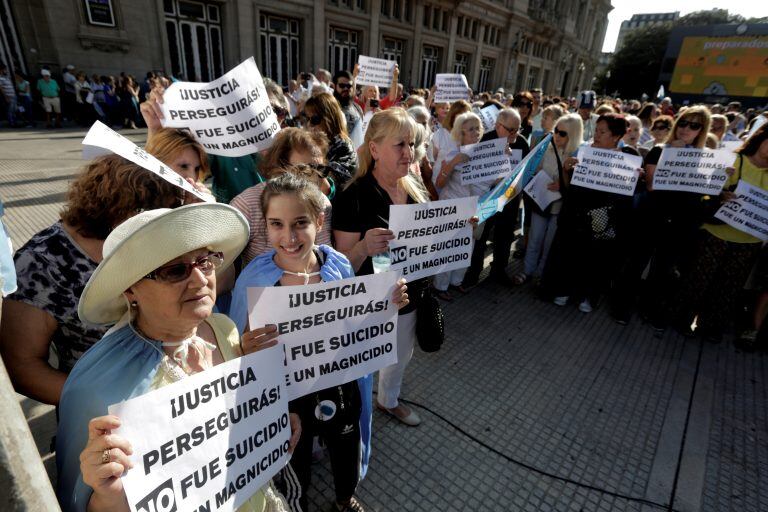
{"points": [[360, 229], [323, 114], [442, 140], [566, 140], [467, 129], [180, 151]]}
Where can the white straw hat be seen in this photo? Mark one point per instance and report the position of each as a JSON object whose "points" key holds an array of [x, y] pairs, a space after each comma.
{"points": [[151, 239]]}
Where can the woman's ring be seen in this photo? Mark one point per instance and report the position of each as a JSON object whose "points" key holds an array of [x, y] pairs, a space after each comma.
{"points": [[105, 458]]}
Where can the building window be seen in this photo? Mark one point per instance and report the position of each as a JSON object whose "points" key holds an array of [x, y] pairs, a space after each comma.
{"points": [[279, 37], [486, 69], [545, 82], [430, 61], [99, 12], [533, 78], [393, 49], [520, 77], [342, 49], [194, 40], [461, 63]]}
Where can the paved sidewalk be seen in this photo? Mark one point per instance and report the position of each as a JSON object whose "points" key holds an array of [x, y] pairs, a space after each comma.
{"points": [[528, 407]]}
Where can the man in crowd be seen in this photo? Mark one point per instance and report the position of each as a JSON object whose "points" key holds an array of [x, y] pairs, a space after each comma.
{"points": [[504, 222], [49, 90], [586, 106], [342, 91], [68, 98], [9, 94]]}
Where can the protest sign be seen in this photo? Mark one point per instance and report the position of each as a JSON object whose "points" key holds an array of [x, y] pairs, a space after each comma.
{"points": [[102, 140], [488, 161], [230, 116], [731, 145], [692, 170], [451, 87], [538, 191], [757, 123], [489, 115], [748, 212], [606, 170], [332, 332], [503, 192], [432, 237], [210, 440], [374, 71]]}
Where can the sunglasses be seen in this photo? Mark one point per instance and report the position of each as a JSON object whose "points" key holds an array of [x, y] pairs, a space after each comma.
{"points": [[313, 120], [344, 86], [658, 127], [177, 272], [561, 133], [522, 104], [693, 125], [510, 130]]}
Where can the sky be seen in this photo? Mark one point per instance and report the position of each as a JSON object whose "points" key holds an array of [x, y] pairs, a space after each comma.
{"points": [[624, 9]]}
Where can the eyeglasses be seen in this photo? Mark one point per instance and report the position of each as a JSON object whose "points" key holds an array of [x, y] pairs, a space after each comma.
{"points": [[177, 272], [513, 129], [344, 86], [658, 127], [313, 120], [693, 125], [561, 133]]}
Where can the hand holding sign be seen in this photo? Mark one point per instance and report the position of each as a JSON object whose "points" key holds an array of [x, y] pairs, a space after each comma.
{"points": [[259, 339], [103, 461]]}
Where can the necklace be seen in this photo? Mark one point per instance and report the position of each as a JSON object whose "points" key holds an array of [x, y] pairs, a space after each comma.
{"points": [[305, 275]]}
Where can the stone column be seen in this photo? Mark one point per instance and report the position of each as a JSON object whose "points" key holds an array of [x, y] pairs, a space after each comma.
{"points": [[415, 50], [475, 74], [451, 52], [319, 37], [373, 40]]}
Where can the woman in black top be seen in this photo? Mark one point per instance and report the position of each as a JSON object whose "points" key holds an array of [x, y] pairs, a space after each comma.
{"points": [[360, 228]]}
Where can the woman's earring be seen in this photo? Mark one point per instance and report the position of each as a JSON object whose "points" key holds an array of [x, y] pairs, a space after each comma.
{"points": [[134, 304]]}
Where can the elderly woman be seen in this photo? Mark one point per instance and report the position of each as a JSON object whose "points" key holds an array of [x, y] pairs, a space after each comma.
{"points": [[592, 226], [323, 114], [360, 217], [162, 301], [54, 265], [467, 129], [567, 138]]}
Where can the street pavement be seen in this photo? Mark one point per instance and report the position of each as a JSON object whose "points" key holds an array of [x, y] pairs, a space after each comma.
{"points": [[528, 406]]}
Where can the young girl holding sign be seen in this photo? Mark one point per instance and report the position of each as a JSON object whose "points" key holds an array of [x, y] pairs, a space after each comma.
{"points": [[294, 209], [467, 129]]}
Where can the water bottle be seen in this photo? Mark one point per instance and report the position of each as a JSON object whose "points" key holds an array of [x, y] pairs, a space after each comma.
{"points": [[381, 262]]}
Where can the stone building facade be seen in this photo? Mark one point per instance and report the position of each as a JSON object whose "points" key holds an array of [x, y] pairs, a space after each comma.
{"points": [[515, 44]]}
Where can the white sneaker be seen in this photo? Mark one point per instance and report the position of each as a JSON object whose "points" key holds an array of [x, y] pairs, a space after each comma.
{"points": [[561, 301], [585, 306]]}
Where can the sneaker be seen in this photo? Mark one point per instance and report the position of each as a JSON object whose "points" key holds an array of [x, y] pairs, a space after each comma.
{"points": [[402, 413], [561, 301], [585, 306], [351, 506]]}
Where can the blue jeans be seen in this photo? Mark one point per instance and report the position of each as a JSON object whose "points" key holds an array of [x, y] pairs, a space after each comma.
{"points": [[540, 238]]}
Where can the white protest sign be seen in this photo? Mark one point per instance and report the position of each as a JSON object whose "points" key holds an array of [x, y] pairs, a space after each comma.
{"points": [[102, 140], [488, 161], [693, 170], [230, 116], [731, 145], [759, 121], [489, 115], [451, 87], [208, 441], [432, 237], [332, 332], [606, 170], [366, 121], [374, 71], [538, 191], [748, 212]]}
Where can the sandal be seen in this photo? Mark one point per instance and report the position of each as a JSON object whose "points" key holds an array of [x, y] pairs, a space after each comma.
{"points": [[520, 278], [444, 295]]}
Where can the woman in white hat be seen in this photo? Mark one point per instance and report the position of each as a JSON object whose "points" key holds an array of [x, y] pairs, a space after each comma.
{"points": [[157, 281]]}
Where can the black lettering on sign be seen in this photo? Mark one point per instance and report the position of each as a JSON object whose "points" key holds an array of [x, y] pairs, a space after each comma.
{"points": [[162, 499]]}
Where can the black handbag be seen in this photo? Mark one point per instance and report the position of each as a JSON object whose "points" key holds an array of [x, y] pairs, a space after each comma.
{"points": [[430, 325]]}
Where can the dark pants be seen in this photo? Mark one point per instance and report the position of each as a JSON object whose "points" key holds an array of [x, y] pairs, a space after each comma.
{"points": [[504, 225], [711, 289], [341, 434]]}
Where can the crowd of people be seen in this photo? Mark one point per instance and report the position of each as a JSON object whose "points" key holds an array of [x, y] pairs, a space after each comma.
{"points": [[123, 288]]}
